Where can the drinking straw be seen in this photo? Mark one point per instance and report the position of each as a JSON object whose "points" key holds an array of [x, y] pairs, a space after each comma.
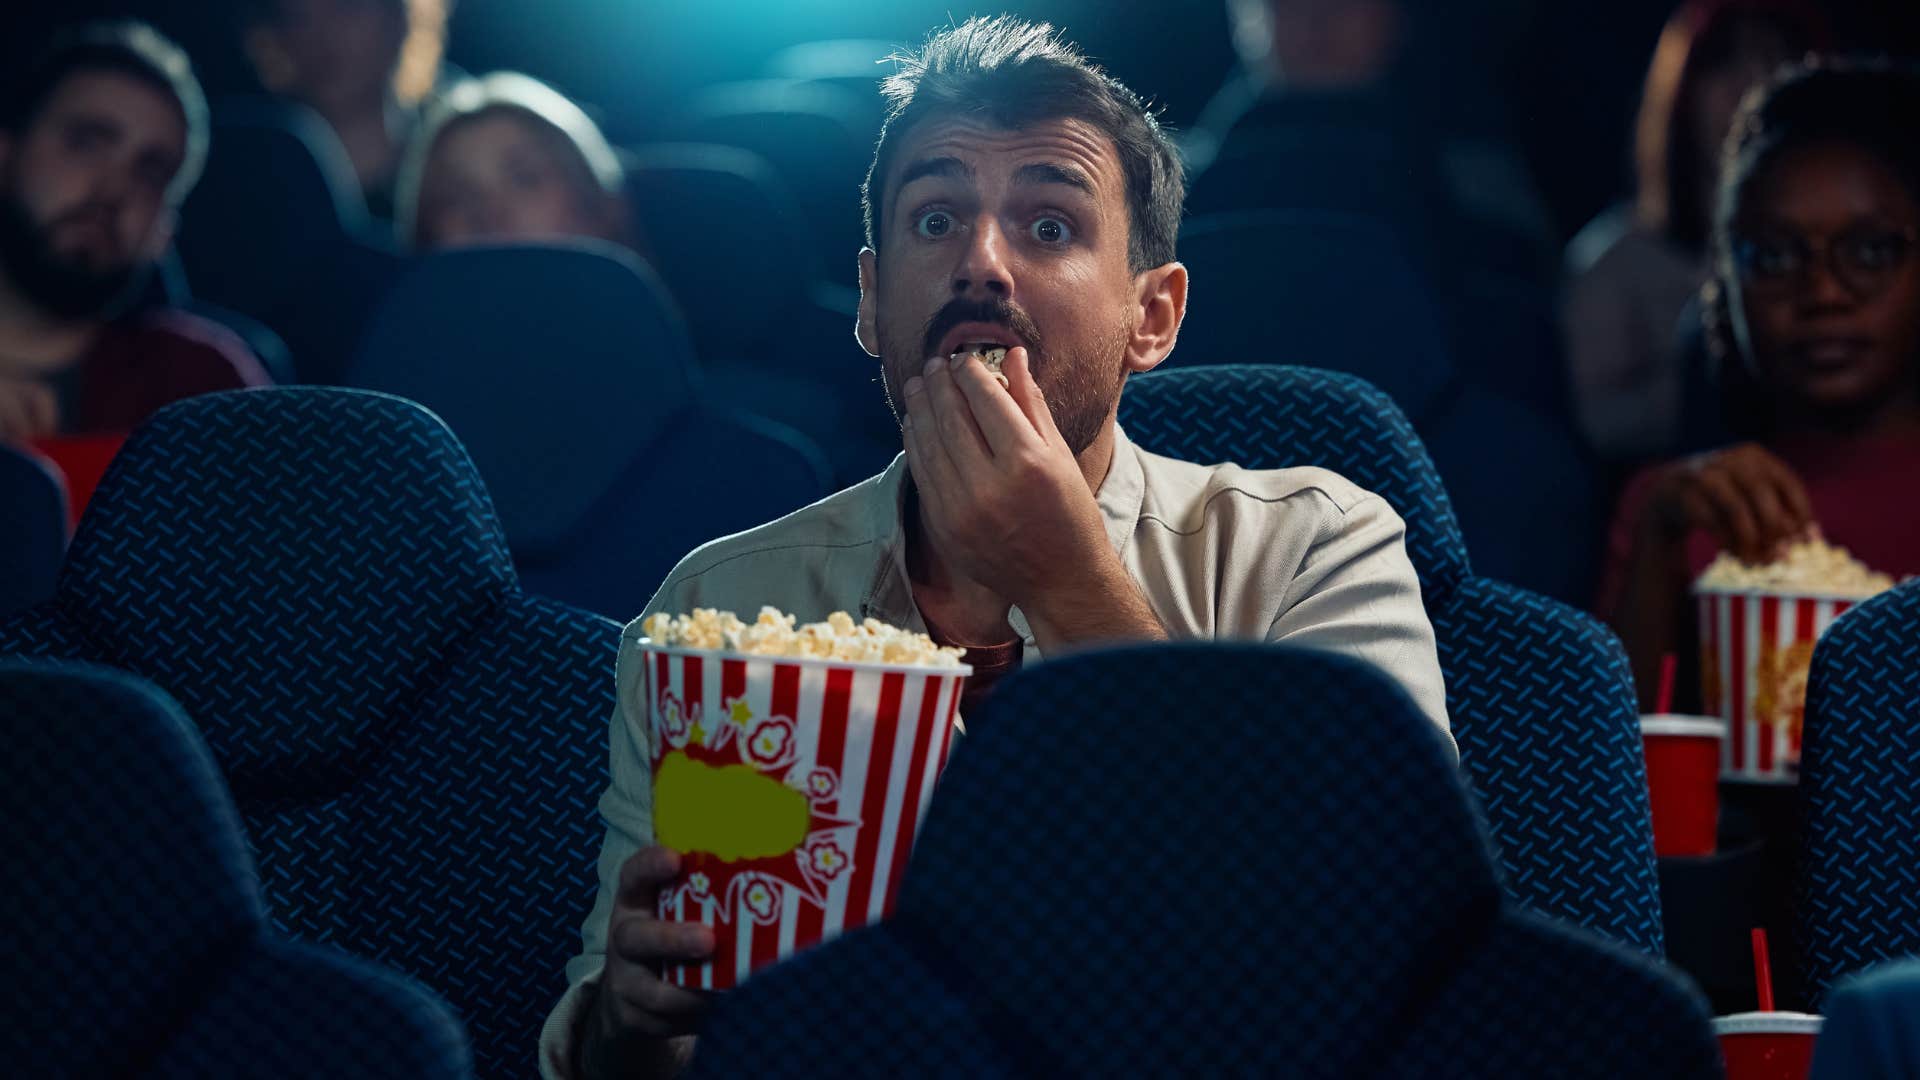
{"points": [[1664, 703], [1762, 970]]}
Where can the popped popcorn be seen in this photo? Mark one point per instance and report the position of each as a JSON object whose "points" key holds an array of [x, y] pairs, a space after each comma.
{"points": [[1810, 566], [774, 633], [991, 357]]}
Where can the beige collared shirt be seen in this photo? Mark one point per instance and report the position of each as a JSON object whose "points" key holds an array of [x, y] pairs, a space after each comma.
{"points": [[1294, 555]]}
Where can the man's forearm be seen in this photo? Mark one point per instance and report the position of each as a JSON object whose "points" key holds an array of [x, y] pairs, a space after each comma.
{"points": [[601, 1054], [1107, 607]]}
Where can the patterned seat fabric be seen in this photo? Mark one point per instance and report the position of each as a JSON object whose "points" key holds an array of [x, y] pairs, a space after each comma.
{"points": [[590, 462], [1201, 859], [145, 950], [1860, 774], [415, 744], [1539, 694]]}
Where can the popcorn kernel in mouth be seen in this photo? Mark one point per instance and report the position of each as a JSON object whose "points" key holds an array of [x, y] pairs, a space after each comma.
{"points": [[992, 357]]}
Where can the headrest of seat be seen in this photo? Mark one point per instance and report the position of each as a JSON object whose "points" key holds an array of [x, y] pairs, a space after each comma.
{"points": [[1216, 821], [294, 565], [1322, 289], [128, 868], [556, 366], [1271, 417]]}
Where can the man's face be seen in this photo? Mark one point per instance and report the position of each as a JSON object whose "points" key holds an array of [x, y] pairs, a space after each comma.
{"points": [[83, 190], [1010, 238]]}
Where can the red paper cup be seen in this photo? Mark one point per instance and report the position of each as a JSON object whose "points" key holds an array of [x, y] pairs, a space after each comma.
{"points": [[1767, 1045], [1756, 651], [793, 790], [1683, 781]]}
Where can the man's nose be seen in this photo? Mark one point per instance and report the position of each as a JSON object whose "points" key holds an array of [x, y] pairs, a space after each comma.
{"points": [[983, 270]]}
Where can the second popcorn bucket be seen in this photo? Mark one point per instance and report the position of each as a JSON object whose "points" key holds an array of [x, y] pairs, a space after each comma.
{"points": [[793, 789]]}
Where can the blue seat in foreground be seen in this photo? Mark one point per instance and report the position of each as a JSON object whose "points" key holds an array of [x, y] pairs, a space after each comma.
{"points": [[33, 536], [1860, 775], [1207, 859], [139, 945], [1539, 694], [415, 744]]}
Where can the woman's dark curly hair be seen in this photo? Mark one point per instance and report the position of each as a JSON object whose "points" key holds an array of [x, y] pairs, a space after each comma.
{"points": [[1872, 103]]}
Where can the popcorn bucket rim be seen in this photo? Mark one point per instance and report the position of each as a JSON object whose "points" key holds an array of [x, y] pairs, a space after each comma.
{"points": [[647, 645], [1703, 591]]}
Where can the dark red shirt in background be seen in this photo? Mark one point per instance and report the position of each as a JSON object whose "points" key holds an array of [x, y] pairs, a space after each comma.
{"points": [[147, 361], [1865, 495]]}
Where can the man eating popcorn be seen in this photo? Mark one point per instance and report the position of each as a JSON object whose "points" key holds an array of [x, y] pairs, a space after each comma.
{"points": [[1022, 200]]}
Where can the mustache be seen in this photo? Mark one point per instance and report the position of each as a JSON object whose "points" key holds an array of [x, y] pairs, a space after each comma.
{"points": [[995, 311]]}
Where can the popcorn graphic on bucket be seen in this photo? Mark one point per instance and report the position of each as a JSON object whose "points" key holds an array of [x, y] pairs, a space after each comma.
{"points": [[792, 786], [1758, 629]]}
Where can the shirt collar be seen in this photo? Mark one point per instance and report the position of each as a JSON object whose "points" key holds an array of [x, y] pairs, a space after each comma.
{"points": [[890, 594]]}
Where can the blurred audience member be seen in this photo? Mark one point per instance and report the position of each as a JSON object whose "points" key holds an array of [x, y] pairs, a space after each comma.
{"points": [[1371, 97], [1814, 309], [364, 65], [103, 134], [1633, 269], [508, 158]]}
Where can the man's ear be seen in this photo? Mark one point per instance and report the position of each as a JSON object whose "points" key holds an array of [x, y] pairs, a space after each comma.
{"points": [[160, 237], [865, 329], [1162, 298]]}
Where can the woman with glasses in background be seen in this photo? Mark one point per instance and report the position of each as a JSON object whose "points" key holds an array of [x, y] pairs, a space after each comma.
{"points": [[1813, 312]]}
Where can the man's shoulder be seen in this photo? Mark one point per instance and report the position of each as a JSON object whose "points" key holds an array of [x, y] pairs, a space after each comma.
{"points": [[769, 563], [1184, 496]]}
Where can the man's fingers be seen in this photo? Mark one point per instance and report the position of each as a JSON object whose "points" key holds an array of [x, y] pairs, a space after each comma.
{"points": [[651, 1006], [965, 444], [44, 408], [1001, 422], [642, 875], [648, 941], [1025, 389], [933, 470]]}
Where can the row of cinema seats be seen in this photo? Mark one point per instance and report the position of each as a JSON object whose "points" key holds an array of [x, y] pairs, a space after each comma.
{"points": [[416, 744], [770, 318]]}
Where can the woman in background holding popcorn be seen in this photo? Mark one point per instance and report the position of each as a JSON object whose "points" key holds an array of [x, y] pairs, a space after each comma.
{"points": [[1814, 312]]}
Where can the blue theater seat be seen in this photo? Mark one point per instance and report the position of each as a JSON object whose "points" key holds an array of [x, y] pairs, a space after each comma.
{"points": [[774, 331], [1859, 898], [568, 377], [1540, 698], [138, 944], [33, 532], [1340, 292], [276, 230], [1207, 859], [415, 744]]}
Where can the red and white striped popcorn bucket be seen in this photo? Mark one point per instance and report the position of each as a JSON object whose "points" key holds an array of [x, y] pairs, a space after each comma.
{"points": [[1756, 651], [793, 790]]}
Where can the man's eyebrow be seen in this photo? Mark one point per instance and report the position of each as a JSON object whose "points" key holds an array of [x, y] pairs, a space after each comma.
{"points": [[1049, 173], [951, 167]]}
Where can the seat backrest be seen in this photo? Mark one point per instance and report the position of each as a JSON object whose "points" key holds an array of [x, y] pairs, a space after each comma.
{"points": [[1537, 997], [1538, 694], [1860, 772], [416, 745], [34, 535], [1127, 828], [816, 136], [555, 366], [121, 831], [276, 230], [1318, 289], [1273, 417], [700, 205], [569, 378]]}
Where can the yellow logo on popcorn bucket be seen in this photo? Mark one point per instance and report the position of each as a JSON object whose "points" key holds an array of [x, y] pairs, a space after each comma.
{"points": [[791, 786]]}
